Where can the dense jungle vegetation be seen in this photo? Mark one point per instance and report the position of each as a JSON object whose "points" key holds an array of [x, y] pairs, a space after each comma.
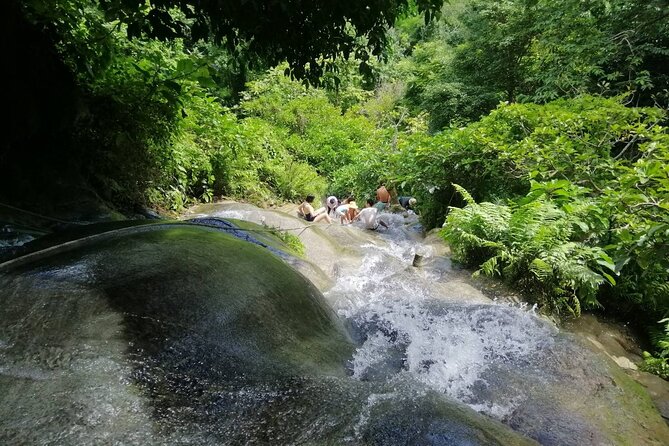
{"points": [[534, 131]]}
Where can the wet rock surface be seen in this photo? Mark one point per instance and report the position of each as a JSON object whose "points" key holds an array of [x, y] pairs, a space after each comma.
{"points": [[181, 334], [173, 333], [437, 326]]}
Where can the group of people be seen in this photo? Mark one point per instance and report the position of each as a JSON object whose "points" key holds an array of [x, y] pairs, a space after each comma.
{"points": [[347, 211], [383, 200]]}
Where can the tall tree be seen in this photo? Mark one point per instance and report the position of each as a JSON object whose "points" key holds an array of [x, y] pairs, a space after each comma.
{"points": [[540, 50], [497, 45], [306, 33], [639, 32]]}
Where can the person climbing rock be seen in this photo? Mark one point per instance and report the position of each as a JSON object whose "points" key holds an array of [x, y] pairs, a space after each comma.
{"points": [[331, 203]]}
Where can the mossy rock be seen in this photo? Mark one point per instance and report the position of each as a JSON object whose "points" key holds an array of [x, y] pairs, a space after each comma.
{"points": [[181, 334]]}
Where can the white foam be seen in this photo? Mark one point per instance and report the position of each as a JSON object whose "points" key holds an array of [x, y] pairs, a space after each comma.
{"points": [[449, 348]]}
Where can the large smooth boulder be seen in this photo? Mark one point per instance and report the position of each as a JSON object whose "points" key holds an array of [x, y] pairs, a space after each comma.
{"points": [[434, 324], [182, 334]]}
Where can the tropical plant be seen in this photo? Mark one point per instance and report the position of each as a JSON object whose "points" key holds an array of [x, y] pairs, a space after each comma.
{"points": [[534, 246], [267, 31], [659, 363]]}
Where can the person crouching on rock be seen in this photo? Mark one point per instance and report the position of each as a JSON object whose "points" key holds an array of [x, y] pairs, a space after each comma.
{"points": [[407, 203], [352, 208], [306, 211], [369, 216], [343, 211], [332, 202]]}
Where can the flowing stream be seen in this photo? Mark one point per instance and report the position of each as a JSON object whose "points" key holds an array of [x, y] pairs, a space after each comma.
{"points": [[408, 328], [173, 333], [426, 325]]}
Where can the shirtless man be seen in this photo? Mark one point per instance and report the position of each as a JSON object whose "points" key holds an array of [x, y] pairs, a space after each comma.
{"points": [[382, 196]]}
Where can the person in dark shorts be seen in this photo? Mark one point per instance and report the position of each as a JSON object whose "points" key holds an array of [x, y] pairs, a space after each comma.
{"points": [[306, 211]]}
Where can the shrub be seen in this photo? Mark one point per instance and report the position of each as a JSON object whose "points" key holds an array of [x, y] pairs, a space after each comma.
{"points": [[533, 246]]}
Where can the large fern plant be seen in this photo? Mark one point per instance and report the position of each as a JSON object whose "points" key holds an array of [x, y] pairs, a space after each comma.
{"points": [[658, 363], [534, 245]]}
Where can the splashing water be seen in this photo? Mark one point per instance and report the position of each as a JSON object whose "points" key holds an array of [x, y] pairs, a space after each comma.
{"points": [[230, 213], [408, 328], [142, 338]]}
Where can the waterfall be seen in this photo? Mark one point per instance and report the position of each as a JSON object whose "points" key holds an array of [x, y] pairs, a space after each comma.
{"points": [[180, 333], [411, 329]]}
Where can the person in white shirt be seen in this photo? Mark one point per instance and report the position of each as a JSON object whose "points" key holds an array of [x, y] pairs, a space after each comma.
{"points": [[332, 202], [369, 216]]}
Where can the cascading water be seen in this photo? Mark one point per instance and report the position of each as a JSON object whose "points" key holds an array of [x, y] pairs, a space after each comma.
{"points": [[406, 329], [501, 359], [423, 328], [174, 333]]}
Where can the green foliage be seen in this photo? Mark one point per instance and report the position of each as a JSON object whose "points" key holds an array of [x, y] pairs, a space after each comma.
{"points": [[362, 177], [188, 173], [582, 140], [659, 364], [152, 127], [292, 241], [662, 339], [344, 147], [495, 52], [532, 245], [427, 70], [656, 365], [638, 203], [480, 53], [131, 115], [592, 225], [266, 30], [546, 49]]}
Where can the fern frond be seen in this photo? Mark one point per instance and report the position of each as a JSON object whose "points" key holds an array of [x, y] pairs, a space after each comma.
{"points": [[541, 269], [466, 195], [490, 267], [576, 306]]}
